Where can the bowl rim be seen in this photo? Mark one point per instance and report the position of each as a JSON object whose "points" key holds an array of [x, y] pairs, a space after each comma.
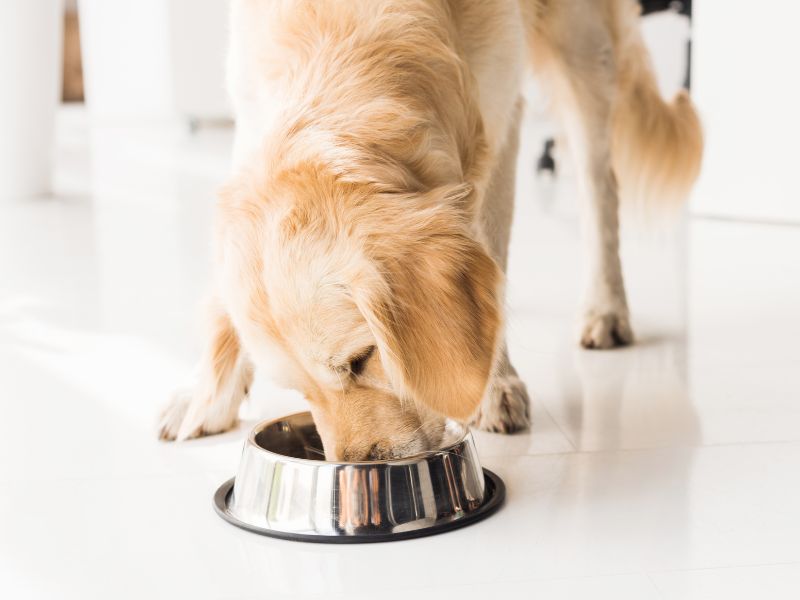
{"points": [[464, 437]]}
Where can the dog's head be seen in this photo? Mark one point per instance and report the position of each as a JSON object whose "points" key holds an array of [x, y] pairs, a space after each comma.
{"points": [[379, 307]]}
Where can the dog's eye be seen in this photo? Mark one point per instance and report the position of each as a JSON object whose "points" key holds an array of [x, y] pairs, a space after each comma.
{"points": [[359, 362]]}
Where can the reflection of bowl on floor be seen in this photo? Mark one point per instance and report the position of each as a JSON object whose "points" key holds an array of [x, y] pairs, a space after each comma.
{"points": [[285, 489]]}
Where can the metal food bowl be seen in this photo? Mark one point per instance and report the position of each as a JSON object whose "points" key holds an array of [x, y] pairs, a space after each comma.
{"points": [[285, 489]]}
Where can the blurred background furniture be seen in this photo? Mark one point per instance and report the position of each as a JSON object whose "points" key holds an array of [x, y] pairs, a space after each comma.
{"points": [[72, 84], [154, 59], [30, 71]]}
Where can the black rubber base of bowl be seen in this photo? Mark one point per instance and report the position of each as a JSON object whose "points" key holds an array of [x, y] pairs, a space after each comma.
{"points": [[494, 495]]}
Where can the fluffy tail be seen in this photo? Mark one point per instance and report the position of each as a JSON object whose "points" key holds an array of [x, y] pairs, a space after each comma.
{"points": [[657, 146]]}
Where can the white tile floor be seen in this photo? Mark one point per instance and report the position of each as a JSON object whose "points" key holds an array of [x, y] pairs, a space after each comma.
{"points": [[667, 470]]}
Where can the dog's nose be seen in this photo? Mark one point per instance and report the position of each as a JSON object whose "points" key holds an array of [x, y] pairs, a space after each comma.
{"points": [[379, 452], [359, 453]]}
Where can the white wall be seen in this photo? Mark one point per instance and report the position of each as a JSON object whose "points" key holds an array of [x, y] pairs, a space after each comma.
{"points": [[746, 82]]}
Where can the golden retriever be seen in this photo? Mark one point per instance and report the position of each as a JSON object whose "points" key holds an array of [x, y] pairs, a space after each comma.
{"points": [[362, 238]]}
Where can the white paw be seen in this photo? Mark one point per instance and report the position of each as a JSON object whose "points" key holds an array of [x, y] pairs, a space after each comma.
{"points": [[190, 414], [171, 417], [602, 330], [506, 408]]}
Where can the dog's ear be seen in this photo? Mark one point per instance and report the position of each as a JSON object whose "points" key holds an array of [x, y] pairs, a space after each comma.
{"points": [[436, 314]]}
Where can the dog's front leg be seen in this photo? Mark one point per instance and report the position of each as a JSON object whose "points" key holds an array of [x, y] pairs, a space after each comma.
{"points": [[506, 407], [223, 377]]}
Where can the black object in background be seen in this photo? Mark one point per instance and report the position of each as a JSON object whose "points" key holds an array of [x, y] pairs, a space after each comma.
{"points": [[683, 7]]}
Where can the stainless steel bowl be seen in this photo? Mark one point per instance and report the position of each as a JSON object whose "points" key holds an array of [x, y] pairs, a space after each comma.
{"points": [[285, 489]]}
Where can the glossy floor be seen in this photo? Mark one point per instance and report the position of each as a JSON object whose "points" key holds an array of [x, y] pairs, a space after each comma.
{"points": [[667, 470]]}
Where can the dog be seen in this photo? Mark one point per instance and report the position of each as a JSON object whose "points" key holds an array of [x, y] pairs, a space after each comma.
{"points": [[362, 239]]}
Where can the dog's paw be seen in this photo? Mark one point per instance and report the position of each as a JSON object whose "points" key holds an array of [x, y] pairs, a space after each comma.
{"points": [[172, 415], [190, 415], [506, 409], [606, 330]]}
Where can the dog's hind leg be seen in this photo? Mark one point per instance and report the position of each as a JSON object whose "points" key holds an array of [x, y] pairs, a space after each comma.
{"points": [[604, 320], [506, 405], [573, 52], [223, 378]]}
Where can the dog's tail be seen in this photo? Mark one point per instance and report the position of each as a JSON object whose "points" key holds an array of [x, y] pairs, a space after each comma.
{"points": [[657, 146]]}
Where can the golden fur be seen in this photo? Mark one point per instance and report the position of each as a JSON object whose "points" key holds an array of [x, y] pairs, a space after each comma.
{"points": [[359, 254]]}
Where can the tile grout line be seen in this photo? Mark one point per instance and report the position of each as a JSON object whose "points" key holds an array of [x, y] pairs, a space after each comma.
{"points": [[655, 585], [724, 567]]}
